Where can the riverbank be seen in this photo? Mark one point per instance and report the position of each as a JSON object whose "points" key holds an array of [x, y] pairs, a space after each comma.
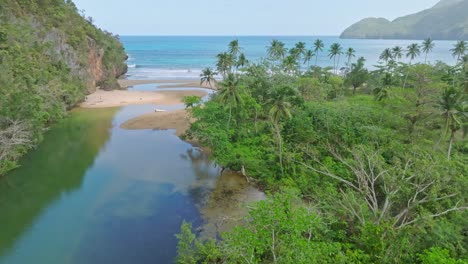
{"points": [[178, 120]]}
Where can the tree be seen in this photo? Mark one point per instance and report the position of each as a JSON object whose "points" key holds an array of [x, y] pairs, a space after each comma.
{"points": [[334, 51], [358, 74], [290, 64], [230, 94], [295, 53], [208, 76], [350, 53], [453, 109], [241, 61], [459, 49], [234, 48], [276, 50], [412, 53], [318, 47], [309, 54], [191, 101], [301, 48], [185, 246], [280, 109], [225, 63], [427, 47], [397, 53], [386, 56]]}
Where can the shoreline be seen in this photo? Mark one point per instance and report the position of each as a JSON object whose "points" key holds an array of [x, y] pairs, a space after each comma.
{"points": [[178, 120], [116, 98], [170, 83]]}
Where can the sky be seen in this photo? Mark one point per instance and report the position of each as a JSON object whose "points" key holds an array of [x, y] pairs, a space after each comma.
{"points": [[241, 17]]}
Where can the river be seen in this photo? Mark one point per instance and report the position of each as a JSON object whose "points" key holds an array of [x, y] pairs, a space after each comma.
{"points": [[93, 192]]}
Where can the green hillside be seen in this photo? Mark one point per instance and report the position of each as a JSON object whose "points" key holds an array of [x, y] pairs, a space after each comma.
{"points": [[51, 57], [447, 20]]}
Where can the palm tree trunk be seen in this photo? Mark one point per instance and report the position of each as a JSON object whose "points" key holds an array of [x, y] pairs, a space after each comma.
{"points": [[338, 64], [316, 59], [406, 77], [452, 137], [230, 114], [334, 64], [280, 148]]}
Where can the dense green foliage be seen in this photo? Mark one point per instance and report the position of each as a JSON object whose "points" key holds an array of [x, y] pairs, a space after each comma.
{"points": [[50, 57], [446, 20], [363, 170]]}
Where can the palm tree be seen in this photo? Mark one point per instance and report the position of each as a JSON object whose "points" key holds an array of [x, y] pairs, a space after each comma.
{"points": [[234, 48], [294, 52], [290, 64], [276, 50], [427, 47], [335, 50], [308, 55], [241, 61], [230, 94], [280, 109], [453, 109], [386, 56], [350, 53], [397, 53], [459, 49], [207, 76], [318, 46], [413, 52], [225, 63], [301, 48]]}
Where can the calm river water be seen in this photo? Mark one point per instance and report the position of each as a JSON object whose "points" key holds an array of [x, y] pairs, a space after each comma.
{"points": [[95, 193]]}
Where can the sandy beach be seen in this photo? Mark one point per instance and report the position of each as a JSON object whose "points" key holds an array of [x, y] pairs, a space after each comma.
{"points": [[177, 120], [103, 99]]}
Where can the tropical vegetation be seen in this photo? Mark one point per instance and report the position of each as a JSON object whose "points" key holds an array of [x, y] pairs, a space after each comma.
{"points": [[51, 56], [362, 166]]}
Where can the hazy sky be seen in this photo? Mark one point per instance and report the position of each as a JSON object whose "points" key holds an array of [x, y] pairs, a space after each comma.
{"points": [[240, 17]]}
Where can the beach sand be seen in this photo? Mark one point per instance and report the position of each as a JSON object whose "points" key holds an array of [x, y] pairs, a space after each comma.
{"points": [[177, 120], [103, 99]]}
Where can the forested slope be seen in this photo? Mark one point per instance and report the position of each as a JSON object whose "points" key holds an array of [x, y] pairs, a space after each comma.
{"points": [[50, 58], [446, 20]]}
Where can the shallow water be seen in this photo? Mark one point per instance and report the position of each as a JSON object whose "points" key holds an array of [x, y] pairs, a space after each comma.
{"points": [[95, 193]]}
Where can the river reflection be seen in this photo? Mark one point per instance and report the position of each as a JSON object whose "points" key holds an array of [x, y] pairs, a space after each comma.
{"points": [[95, 193]]}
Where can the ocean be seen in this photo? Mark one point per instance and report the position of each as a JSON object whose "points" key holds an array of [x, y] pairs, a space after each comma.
{"points": [[183, 57]]}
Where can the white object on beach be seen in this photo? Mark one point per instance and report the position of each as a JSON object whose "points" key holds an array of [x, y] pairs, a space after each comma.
{"points": [[160, 110]]}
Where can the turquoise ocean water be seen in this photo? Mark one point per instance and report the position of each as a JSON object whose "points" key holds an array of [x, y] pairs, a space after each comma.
{"points": [[164, 57]]}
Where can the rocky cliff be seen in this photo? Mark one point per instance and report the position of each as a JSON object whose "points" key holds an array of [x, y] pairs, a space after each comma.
{"points": [[51, 56]]}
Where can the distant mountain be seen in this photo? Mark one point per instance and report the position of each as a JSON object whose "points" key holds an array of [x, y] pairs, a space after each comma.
{"points": [[447, 20]]}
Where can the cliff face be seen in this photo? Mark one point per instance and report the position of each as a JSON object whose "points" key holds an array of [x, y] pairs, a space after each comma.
{"points": [[51, 56], [447, 20]]}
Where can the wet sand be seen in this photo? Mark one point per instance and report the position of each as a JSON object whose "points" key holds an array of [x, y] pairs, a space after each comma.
{"points": [[177, 120]]}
